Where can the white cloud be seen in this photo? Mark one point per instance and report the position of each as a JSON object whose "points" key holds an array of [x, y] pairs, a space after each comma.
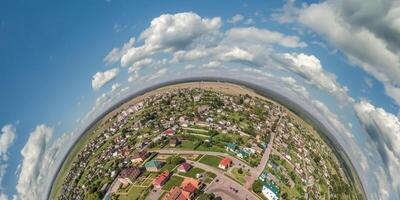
{"points": [[254, 35], [384, 130], [212, 64], [3, 196], [158, 74], [190, 66], [249, 21], [33, 155], [115, 54], [294, 86], [171, 33], [6, 139], [102, 78], [235, 19], [139, 64], [367, 32], [309, 67], [237, 54]]}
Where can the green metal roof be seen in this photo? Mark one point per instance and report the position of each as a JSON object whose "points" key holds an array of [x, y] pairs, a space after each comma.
{"points": [[273, 188], [153, 163]]}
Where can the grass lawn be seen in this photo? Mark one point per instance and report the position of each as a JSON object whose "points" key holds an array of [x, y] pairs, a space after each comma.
{"points": [[213, 148], [173, 181], [192, 172], [210, 160], [188, 145], [168, 167], [133, 194], [238, 176], [209, 176]]}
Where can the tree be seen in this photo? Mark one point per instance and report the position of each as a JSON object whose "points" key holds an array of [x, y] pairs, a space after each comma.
{"points": [[175, 160], [257, 186], [240, 171]]}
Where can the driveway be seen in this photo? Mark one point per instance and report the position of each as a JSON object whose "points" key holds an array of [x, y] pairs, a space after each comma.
{"points": [[154, 194]]}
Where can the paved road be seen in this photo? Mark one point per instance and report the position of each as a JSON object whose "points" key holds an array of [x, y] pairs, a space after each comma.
{"points": [[223, 186], [256, 172], [179, 151], [154, 194]]}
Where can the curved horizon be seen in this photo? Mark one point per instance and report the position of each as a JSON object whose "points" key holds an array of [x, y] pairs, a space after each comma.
{"points": [[263, 91]]}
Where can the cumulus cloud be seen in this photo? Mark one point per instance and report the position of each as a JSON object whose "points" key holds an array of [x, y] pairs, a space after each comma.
{"points": [[212, 64], [294, 86], [235, 19], [115, 54], [367, 32], [256, 35], [7, 137], [309, 67], [384, 130], [33, 155], [40, 159], [171, 33], [139, 64], [102, 78]]}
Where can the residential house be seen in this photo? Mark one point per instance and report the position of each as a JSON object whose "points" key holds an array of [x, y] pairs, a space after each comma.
{"points": [[128, 175], [225, 163], [162, 179], [176, 193], [140, 157], [153, 166], [242, 154], [270, 191], [185, 192], [184, 167], [231, 147], [169, 132], [173, 142]]}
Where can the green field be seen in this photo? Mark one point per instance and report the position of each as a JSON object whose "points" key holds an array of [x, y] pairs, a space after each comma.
{"points": [[173, 181], [239, 176], [192, 172], [133, 193], [210, 160]]}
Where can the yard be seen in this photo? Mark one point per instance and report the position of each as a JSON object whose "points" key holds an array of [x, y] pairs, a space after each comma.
{"points": [[239, 176], [192, 172], [133, 193], [210, 160], [173, 181]]}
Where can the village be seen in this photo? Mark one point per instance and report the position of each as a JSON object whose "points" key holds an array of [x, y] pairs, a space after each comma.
{"points": [[201, 144]]}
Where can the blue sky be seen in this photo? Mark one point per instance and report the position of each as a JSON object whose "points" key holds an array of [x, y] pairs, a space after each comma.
{"points": [[51, 51]]}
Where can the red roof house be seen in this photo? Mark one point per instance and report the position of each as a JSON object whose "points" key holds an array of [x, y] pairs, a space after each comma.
{"points": [[169, 132], [184, 167], [160, 180], [225, 163]]}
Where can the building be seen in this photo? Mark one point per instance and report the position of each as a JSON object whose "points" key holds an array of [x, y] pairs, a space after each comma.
{"points": [[270, 191], [140, 157], [184, 167], [185, 192], [173, 142], [153, 166], [176, 193], [231, 147], [128, 176], [162, 179], [242, 154], [225, 163], [190, 185], [169, 132], [263, 176]]}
